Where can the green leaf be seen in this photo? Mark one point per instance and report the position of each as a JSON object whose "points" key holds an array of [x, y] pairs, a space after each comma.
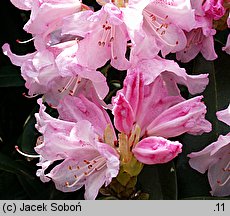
{"points": [[28, 139], [10, 77], [159, 181], [11, 189], [34, 189], [190, 182], [216, 97], [16, 167]]}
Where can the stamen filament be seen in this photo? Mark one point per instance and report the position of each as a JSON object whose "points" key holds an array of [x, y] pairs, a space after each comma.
{"points": [[26, 155], [225, 181], [225, 169], [71, 80], [75, 86], [159, 29], [29, 96], [90, 166], [26, 41]]}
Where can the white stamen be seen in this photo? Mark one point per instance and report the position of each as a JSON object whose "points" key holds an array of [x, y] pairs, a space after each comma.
{"points": [[23, 42], [111, 42], [154, 22], [228, 178], [26, 155], [75, 86], [225, 181], [30, 96], [90, 166], [67, 85]]}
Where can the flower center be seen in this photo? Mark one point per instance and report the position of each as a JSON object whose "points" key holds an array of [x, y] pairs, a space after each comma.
{"points": [[195, 37], [86, 169], [159, 25], [70, 86], [108, 37], [226, 170]]}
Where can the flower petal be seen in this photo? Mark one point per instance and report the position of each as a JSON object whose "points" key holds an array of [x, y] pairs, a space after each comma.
{"points": [[22, 4], [123, 114], [75, 109], [224, 115], [16, 59], [187, 116]]}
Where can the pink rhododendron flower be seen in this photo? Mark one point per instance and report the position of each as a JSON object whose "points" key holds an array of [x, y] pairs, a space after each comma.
{"points": [[46, 18], [170, 72], [105, 37], [215, 158], [77, 138], [214, 8], [44, 73], [46, 14], [200, 39], [157, 113], [162, 25]]}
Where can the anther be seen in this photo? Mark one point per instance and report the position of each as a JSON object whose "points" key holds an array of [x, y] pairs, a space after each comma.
{"points": [[87, 162], [71, 92]]}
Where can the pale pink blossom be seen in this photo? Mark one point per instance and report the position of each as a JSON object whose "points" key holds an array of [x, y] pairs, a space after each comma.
{"points": [[158, 113], [46, 18], [170, 72], [215, 159], [77, 141], [105, 37], [45, 73], [200, 39], [46, 14], [162, 28], [37, 69], [214, 8]]}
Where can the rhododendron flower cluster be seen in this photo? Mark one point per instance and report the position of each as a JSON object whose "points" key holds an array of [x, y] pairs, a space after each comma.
{"points": [[84, 145], [215, 159]]}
